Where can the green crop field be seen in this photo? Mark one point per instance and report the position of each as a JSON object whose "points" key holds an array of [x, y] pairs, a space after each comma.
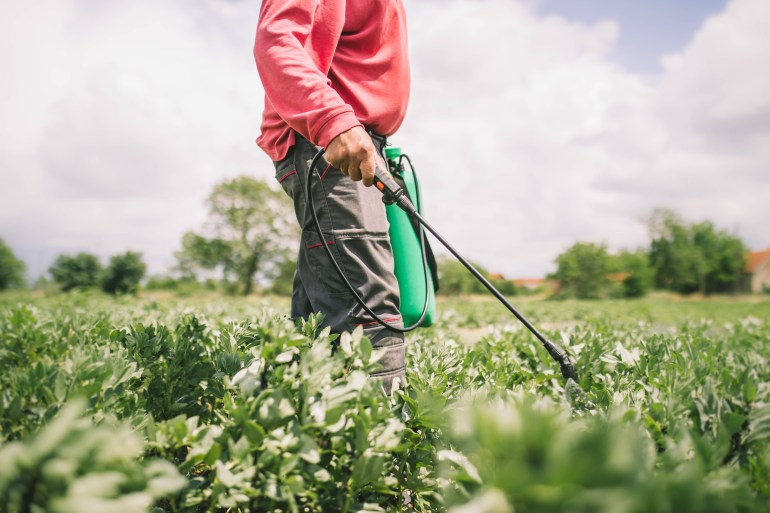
{"points": [[212, 404]]}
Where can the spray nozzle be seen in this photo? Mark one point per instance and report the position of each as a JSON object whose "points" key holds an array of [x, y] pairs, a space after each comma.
{"points": [[562, 358]]}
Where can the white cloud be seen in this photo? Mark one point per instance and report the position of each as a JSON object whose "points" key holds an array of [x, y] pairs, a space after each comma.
{"points": [[119, 116], [529, 138]]}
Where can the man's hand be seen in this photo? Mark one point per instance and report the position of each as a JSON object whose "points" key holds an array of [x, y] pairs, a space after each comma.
{"points": [[353, 153]]}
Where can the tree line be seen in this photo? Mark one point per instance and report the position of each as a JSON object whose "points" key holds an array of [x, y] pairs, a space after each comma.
{"points": [[249, 240], [246, 241], [122, 274], [682, 257]]}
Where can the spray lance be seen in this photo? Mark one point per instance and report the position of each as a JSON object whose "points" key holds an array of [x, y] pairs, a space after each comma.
{"points": [[394, 194]]}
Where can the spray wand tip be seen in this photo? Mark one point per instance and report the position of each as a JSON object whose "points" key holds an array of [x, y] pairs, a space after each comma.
{"points": [[562, 358], [568, 370]]}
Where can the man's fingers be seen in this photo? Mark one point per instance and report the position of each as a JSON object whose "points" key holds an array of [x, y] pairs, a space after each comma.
{"points": [[354, 172], [367, 170], [353, 153], [342, 166]]}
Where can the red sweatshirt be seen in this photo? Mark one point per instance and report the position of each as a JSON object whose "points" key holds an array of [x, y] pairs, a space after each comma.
{"points": [[328, 66]]}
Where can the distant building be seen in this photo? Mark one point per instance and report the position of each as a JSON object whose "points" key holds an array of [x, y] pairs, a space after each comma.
{"points": [[618, 277], [528, 283], [757, 271], [533, 284]]}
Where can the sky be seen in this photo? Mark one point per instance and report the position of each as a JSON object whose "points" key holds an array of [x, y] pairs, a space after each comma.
{"points": [[533, 124], [650, 28]]}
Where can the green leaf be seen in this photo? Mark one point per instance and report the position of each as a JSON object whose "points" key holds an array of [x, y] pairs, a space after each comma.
{"points": [[460, 461]]}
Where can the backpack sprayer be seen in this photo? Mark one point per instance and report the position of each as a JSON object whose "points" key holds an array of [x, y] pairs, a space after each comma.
{"points": [[407, 236]]}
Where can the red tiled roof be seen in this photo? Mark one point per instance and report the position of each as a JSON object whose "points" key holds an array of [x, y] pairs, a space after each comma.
{"points": [[618, 277], [756, 259], [528, 281]]}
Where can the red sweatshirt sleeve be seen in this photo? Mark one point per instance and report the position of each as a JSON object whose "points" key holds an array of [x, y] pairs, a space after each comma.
{"points": [[294, 46]]}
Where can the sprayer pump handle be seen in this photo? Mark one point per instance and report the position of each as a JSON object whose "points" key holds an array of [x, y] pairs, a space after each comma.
{"points": [[391, 191]]}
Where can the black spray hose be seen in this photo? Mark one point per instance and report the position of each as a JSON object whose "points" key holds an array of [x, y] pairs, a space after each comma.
{"points": [[393, 193], [341, 273]]}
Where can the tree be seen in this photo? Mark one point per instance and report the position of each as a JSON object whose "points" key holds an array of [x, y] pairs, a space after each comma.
{"points": [[76, 272], [690, 258], [636, 265], [248, 233], [123, 273], [283, 281], [582, 270], [673, 257], [721, 258], [503, 286], [198, 252], [455, 278], [11, 268]]}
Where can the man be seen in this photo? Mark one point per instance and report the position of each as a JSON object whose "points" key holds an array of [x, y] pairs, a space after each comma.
{"points": [[336, 75]]}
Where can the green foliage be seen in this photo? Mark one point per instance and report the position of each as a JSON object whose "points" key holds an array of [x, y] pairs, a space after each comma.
{"points": [[455, 278], [694, 257], [303, 428], [636, 265], [505, 287], [263, 415], [722, 258], [582, 270], [529, 456], [80, 271], [123, 274], [283, 281], [198, 251], [73, 466], [672, 255], [182, 286], [250, 227], [11, 268]]}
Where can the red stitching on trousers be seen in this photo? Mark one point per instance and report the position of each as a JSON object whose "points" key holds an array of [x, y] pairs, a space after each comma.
{"points": [[323, 175], [319, 245], [392, 319], [287, 175]]}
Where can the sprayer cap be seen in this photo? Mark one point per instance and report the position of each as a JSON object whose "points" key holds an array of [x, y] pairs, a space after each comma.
{"points": [[393, 152]]}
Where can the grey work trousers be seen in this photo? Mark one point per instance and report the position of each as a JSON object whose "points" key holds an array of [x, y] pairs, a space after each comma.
{"points": [[353, 222]]}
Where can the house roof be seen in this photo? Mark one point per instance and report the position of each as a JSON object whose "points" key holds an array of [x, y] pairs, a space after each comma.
{"points": [[756, 259], [528, 281], [618, 277]]}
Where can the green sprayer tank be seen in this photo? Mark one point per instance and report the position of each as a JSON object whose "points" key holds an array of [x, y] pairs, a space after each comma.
{"points": [[409, 268]]}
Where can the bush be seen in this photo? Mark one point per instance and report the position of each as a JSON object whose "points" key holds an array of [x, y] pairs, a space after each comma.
{"points": [[73, 466], [455, 278], [515, 454], [582, 271], [636, 265], [124, 273], [689, 258], [81, 271], [183, 286], [283, 283], [505, 287], [269, 415], [11, 268]]}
